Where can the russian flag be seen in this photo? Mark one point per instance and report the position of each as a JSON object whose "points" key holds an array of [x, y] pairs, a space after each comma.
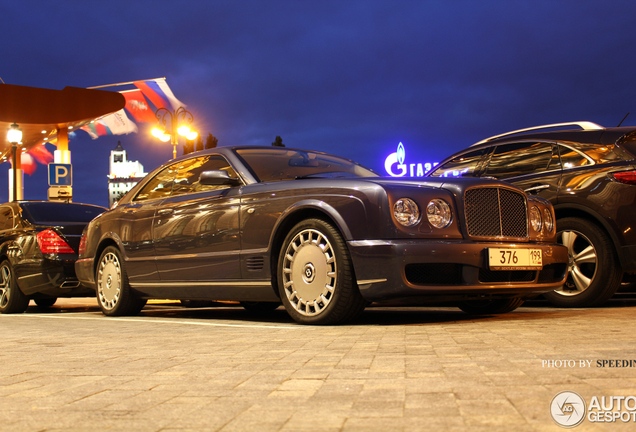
{"points": [[159, 93]]}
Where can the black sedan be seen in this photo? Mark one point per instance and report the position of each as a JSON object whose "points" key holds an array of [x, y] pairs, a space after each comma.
{"points": [[319, 233], [39, 241]]}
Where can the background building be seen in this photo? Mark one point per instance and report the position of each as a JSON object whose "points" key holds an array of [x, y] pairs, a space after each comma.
{"points": [[123, 174]]}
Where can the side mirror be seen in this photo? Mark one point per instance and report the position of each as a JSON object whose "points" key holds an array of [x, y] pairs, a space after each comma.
{"points": [[217, 178]]}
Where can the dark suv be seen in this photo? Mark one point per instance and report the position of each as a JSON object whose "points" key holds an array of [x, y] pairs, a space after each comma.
{"points": [[588, 173]]}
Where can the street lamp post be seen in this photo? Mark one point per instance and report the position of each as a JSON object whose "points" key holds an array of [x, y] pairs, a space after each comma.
{"points": [[178, 125], [14, 136]]}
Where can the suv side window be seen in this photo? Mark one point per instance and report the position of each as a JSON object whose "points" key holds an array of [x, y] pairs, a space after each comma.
{"points": [[516, 159], [588, 154], [465, 165], [187, 179], [571, 158], [160, 186]]}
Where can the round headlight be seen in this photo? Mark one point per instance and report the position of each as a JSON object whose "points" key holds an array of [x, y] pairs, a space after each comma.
{"points": [[547, 220], [439, 213], [406, 211], [535, 219]]}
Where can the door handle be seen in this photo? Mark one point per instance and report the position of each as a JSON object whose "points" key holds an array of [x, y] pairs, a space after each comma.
{"points": [[165, 211], [536, 188]]}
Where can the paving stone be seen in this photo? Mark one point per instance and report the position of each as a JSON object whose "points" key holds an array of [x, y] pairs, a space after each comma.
{"points": [[220, 369]]}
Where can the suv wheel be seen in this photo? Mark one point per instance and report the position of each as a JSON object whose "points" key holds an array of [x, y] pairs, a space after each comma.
{"points": [[594, 273]]}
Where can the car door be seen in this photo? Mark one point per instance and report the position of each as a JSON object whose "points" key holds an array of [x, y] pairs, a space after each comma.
{"points": [[135, 225], [196, 229], [532, 166]]}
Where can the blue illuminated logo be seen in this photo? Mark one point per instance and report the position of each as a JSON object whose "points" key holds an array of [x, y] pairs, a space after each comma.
{"points": [[395, 166]]}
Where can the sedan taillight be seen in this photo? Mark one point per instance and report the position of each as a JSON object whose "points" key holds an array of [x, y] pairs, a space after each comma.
{"points": [[50, 242], [627, 177]]}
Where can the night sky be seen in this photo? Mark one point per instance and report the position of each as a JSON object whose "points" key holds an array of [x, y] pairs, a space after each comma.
{"points": [[353, 78]]}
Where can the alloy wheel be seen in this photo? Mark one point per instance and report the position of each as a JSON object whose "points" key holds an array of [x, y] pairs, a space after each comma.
{"points": [[583, 263], [109, 281], [5, 285], [309, 272]]}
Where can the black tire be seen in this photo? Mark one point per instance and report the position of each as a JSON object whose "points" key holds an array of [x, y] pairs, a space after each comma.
{"points": [[260, 307], [45, 302], [594, 272], [12, 300], [114, 296], [316, 281], [490, 307]]}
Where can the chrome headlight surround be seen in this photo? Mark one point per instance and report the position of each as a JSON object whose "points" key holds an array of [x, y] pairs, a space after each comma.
{"points": [[548, 220], [439, 213], [535, 219], [406, 212]]}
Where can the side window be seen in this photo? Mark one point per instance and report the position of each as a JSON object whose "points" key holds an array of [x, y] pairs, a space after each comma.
{"points": [[571, 158], [187, 179], [512, 160], [465, 165], [588, 154], [160, 186], [6, 218]]}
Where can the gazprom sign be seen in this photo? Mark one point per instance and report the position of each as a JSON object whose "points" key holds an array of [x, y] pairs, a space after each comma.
{"points": [[396, 166]]}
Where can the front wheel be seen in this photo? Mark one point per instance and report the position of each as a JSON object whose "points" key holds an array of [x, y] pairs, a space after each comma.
{"points": [[594, 272], [114, 296], [12, 300], [490, 307], [315, 275]]}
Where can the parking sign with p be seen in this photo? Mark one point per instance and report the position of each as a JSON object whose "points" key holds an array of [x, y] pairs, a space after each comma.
{"points": [[60, 174]]}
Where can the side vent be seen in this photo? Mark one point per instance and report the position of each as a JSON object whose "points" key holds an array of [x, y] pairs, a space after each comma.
{"points": [[255, 263]]}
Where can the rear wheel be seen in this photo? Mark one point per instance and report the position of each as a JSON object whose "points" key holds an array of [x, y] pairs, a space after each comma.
{"points": [[315, 275], [12, 300], [45, 302], [594, 273], [490, 307], [114, 296]]}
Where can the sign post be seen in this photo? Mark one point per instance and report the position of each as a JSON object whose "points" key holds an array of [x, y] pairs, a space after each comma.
{"points": [[60, 182]]}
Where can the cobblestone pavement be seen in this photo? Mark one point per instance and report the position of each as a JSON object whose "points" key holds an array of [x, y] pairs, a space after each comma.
{"points": [[224, 369]]}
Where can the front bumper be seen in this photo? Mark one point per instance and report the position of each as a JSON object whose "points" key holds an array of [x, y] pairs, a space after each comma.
{"points": [[449, 270]]}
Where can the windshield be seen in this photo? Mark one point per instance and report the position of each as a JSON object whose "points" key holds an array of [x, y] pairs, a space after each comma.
{"points": [[287, 164], [50, 212]]}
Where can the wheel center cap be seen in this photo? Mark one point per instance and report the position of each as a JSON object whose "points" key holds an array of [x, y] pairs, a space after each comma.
{"points": [[109, 281], [309, 273]]}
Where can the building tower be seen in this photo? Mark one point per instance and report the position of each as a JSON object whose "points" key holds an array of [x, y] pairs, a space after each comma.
{"points": [[123, 174]]}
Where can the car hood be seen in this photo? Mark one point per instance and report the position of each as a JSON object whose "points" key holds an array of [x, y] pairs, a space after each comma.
{"points": [[438, 183]]}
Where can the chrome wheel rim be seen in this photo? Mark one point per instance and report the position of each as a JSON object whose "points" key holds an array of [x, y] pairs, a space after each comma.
{"points": [[309, 272], [109, 281], [5, 285], [582, 263]]}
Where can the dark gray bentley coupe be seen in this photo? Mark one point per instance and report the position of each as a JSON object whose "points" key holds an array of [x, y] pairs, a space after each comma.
{"points": [[319, 233]]}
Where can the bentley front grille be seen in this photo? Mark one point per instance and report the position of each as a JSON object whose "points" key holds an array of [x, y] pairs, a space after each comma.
{"points": [[496, 213]]}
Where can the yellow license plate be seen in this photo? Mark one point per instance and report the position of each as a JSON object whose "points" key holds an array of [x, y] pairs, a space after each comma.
{"points": [[514, 259]]}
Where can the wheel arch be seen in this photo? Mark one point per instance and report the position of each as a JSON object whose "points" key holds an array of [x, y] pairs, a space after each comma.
{"points": [[292, 216], [109, 240], [581, 212]]}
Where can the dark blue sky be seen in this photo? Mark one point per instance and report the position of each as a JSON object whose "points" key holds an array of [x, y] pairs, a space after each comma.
{"points": [[352, 78]]}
